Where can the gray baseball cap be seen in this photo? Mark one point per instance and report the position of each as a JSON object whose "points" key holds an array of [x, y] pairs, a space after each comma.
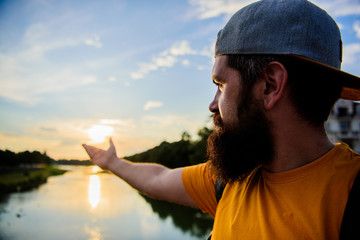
{"points": [[288, 27]]}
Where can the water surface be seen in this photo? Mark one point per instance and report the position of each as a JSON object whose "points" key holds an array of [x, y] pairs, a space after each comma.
{"points": [[86, 204]]}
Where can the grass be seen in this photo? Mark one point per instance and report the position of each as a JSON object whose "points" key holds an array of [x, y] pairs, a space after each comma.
{"points": [[26, 179]]}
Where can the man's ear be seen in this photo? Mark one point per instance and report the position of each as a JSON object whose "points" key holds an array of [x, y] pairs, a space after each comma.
{"points": [[275, 77]]}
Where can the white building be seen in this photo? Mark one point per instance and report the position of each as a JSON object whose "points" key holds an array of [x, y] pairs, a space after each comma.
{"points": [[344, 123]]}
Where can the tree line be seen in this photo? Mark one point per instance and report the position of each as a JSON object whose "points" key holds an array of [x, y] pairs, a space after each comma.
{"points": [[9, 158], [177, 154]]}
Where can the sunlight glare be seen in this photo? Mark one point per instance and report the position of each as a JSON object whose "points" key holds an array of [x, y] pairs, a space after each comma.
{"points": [[94, 190], [98, 133], [95, 169]]}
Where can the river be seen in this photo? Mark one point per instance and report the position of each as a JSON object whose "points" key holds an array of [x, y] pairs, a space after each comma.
{"points": [[86, 204]]}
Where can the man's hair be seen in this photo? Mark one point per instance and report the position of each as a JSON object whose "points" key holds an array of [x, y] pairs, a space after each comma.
{"points": [[313, 90]]}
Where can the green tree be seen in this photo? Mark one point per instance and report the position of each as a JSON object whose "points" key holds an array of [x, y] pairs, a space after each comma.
{"points": [[177, 154]]}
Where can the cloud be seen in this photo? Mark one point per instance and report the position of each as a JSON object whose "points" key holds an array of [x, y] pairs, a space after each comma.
{"points": [[112, 79], [165, 121], [46, 129], [25, 81], [205, 9], [169, 126], [341, 26], [153, 104], [180, 49], [185, 62], [145, 69], [119, 122], [356, 28], [29, 68], [340, 8], [351, 53], [94, 41], [165, 59], [201, 68], [156, 63], [169, 57]]}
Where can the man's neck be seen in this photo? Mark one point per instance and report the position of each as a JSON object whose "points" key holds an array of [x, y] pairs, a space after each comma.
{"points": [[298, 145]]}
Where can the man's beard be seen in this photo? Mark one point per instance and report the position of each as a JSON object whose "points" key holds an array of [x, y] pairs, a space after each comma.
{"points": [[234, 153]]}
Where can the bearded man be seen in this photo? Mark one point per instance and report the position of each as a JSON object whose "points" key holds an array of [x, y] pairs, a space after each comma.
{"points": [[277, 70]]}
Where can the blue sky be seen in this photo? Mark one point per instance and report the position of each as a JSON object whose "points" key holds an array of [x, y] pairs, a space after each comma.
{"points": [[75, 72]]}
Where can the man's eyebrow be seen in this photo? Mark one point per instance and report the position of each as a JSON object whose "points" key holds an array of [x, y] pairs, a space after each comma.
{"points": [[217, 80]]}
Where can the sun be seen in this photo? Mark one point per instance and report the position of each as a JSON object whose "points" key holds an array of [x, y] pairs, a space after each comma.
{"points": [[98, 133]]}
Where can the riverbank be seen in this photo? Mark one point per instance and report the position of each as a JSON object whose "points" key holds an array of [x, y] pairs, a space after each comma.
{"points": [[22, 179]]}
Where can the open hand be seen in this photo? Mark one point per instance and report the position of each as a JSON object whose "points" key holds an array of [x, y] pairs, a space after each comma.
{"points": [[100, 157]]}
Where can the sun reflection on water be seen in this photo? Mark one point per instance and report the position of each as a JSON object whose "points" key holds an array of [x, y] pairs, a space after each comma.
{"points": [[94, 190], [95, 169], [93, 232]]}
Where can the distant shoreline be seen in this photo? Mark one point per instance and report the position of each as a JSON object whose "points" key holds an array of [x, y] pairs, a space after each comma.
{"points": [[24, 179]]}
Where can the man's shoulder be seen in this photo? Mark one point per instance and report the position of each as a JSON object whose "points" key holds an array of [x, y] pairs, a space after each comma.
{"points": [[343, 154]]}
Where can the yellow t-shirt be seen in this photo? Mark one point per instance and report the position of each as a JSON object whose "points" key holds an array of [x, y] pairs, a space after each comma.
{"points": [[304, 203]]}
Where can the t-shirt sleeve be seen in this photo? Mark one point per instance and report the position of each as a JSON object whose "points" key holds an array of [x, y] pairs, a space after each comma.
{"points": [[199, 184]]}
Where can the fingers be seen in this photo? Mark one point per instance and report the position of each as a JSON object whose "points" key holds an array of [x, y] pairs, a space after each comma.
{"points": [[91, 151], [112, 146], [87, 149]]}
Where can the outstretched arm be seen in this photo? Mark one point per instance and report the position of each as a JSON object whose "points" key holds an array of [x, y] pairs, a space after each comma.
{"points": [[152, 179]]}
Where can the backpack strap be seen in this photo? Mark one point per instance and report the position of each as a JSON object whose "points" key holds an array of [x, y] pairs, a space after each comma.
{"points": [[351, 220], [219, 189]]}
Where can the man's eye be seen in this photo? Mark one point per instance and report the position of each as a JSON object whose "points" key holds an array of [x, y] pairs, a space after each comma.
{"points": [[219, 85]]}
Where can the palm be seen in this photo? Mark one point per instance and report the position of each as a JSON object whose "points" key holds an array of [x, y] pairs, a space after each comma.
{"points": [[101, 157]]}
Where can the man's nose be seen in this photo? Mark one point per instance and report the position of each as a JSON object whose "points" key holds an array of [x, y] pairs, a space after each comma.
{"points": [[214, 107]]}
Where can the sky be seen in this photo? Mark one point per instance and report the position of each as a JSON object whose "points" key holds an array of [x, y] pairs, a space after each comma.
{"points": [[74, 72]]}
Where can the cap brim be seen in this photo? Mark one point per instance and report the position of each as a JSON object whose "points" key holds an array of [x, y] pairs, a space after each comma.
{"points": [[351, 83]]}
